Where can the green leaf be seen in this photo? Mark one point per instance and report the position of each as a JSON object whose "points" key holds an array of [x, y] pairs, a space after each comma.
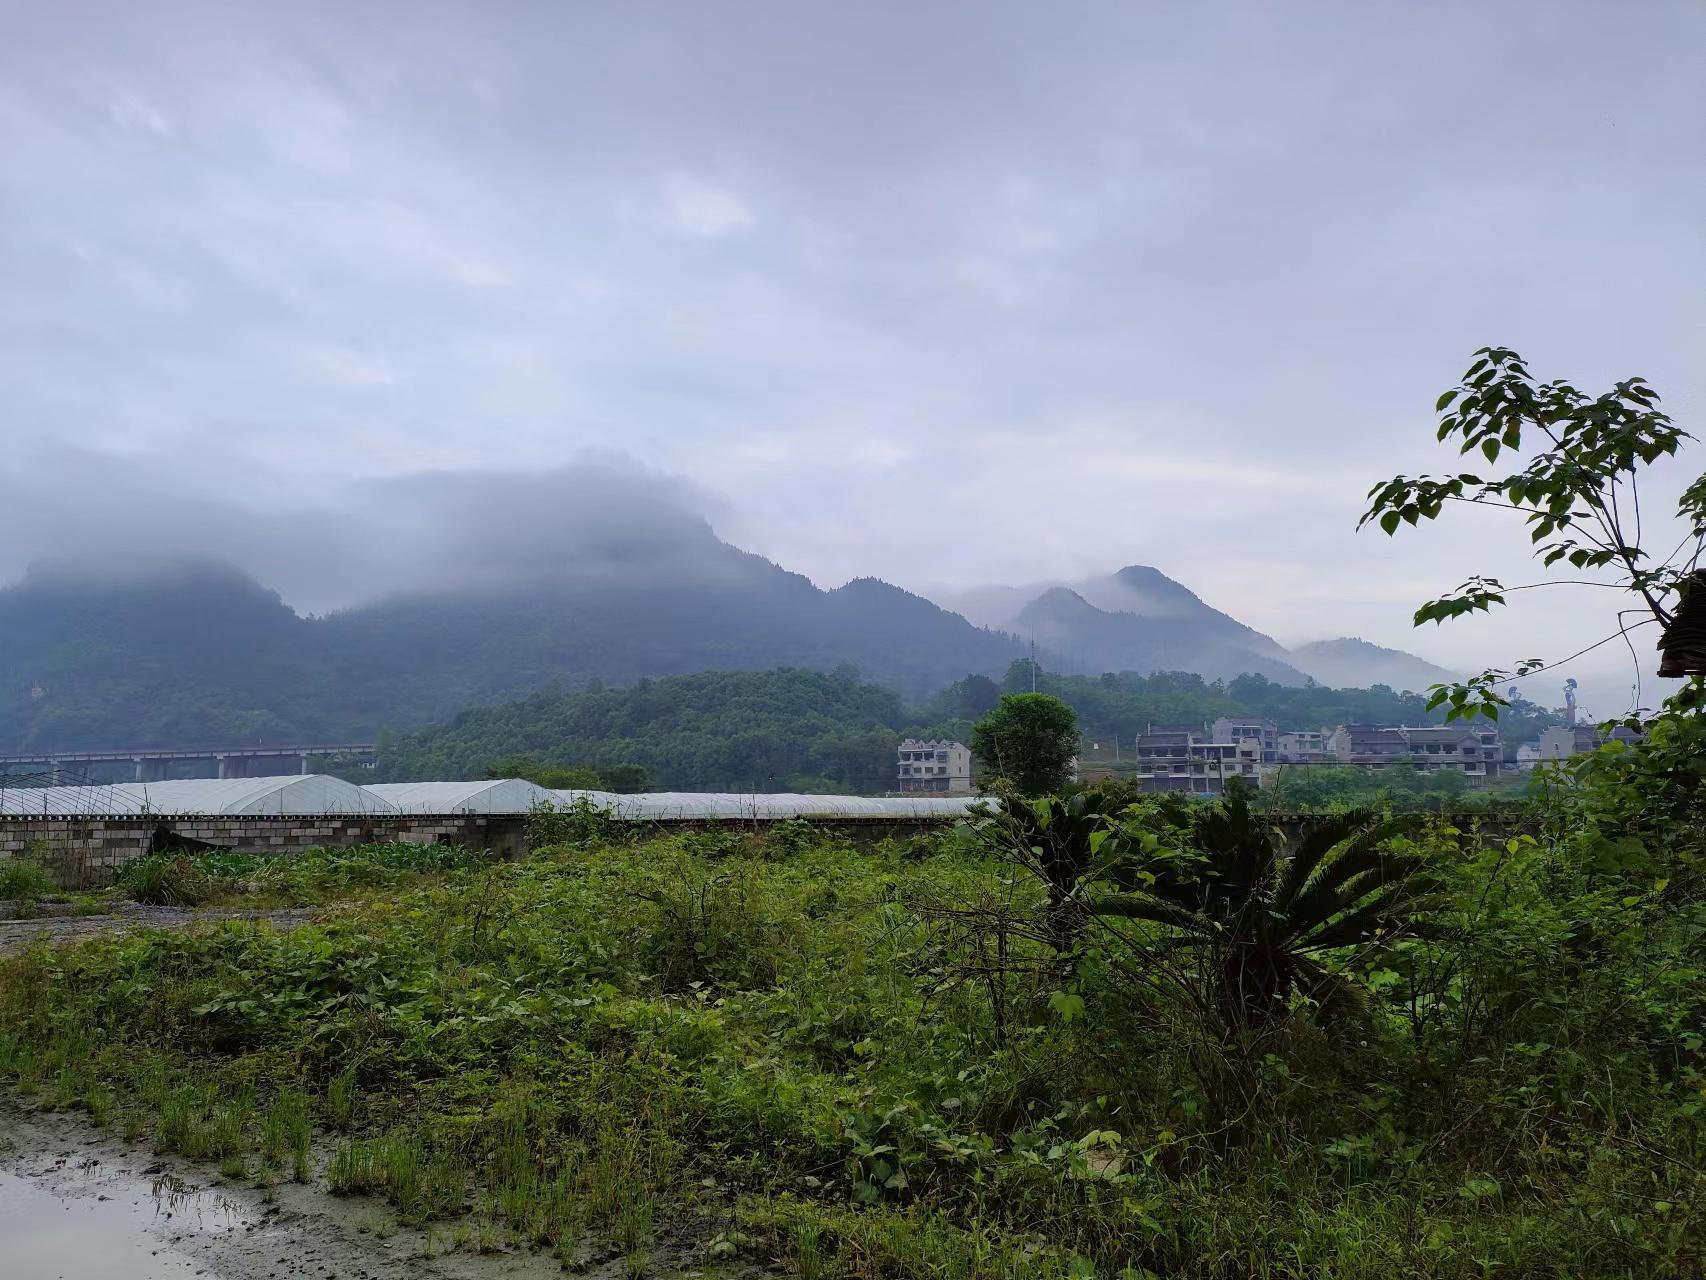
{"points": [[1066, 1004]]}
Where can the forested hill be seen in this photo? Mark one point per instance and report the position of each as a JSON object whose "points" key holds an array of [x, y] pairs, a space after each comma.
{"points": [[196, 654], [794, 730], [779, 730]]}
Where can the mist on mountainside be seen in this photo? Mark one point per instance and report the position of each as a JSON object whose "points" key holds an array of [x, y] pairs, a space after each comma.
{"points": [[603, 518], [1140, 619], [456, 590], [402, 601]]}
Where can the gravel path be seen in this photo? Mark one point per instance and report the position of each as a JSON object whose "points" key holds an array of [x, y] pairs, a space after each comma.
{"points": [[18, 934]]}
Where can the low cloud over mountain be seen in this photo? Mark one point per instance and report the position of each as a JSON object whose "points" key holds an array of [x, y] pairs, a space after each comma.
{"points": [[1139, 619], [189, 622]]}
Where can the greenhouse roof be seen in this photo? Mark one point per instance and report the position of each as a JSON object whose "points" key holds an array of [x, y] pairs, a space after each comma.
{"points": [[315, 794], [499, 795], [290, 794], [63, 801]]}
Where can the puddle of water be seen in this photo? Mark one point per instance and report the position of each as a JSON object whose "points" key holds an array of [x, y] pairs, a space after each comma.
{"points": [[87, 1237]]}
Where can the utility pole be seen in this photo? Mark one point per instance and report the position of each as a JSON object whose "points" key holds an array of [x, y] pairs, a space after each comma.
{"points": [[1033, 666]]}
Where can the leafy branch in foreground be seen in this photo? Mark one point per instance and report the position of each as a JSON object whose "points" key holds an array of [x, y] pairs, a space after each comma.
{"points": [[1577, 489]]}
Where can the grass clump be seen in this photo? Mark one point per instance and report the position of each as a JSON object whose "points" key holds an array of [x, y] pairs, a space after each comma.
{"points": [[287, 1134], [165, 880], [24, 881]]}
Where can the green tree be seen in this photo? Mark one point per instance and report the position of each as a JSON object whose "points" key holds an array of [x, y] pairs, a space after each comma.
{"points": [[625, 778], [561, 777], [1030, 740]]}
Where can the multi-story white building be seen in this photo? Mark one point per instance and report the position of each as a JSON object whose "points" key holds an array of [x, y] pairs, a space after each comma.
{"points": [[1476, 753], [1303, 746], [1263, 732], [942, 768], [1187, 758]]}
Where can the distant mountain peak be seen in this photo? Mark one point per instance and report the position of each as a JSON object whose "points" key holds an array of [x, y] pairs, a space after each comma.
{"points": [[1151, 581], [1059, 599], [1139, 619]]}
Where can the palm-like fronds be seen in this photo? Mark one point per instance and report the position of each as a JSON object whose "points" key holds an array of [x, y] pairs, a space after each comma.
{"points": [[1066, 842], [1262, 912]]}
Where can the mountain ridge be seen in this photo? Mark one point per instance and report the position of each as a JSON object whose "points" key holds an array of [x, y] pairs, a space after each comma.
{"points": [[195, 650], [1139, 612], [200, 652]]}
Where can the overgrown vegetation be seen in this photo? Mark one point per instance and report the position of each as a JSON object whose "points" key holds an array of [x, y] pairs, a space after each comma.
{"points": [[300, 879], [1168, 1046], [1321, 787]]}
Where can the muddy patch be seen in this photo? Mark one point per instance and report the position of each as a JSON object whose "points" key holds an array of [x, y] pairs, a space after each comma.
{"points": [[92, 1235], [80, 1204]]}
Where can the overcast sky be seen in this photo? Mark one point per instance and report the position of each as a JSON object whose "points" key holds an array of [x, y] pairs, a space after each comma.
{"points": [[943, 293]]}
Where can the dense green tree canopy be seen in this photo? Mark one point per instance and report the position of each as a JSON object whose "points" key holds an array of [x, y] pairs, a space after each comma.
{"points": [[716, 731], [1029, 739]]}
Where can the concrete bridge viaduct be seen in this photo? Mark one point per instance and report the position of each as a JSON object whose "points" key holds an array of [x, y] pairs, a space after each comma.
{"points": [[158, 764]]}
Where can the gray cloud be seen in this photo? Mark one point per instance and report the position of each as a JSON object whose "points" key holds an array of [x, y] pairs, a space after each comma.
{"points": [[948, 293]]}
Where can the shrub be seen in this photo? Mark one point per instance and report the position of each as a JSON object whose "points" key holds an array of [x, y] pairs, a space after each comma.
{"points": [[165, 880], [24, 881], [707, 927]]}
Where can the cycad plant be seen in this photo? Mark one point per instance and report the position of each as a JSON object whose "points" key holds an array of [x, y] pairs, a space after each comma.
{"points": [[1259, 916], [1067, 842]]}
